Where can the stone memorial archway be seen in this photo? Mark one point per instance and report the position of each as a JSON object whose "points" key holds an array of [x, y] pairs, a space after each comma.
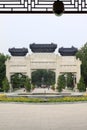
{"points": [[43, 57]]}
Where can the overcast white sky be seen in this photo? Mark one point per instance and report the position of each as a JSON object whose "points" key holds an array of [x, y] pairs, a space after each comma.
{"points": [[19, 30]]}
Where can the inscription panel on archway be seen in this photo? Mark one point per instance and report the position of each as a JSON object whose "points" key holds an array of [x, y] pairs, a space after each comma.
{"points": [[43, 61], [41, 6], [43, 65]]}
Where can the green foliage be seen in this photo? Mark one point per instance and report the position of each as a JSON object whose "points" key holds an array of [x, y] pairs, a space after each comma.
{"points": [[70, 80], [2, 68], [41, 100], [3, 58], [66, 79], [5, 84], [61, 83], [53, 87], [18, 80], [28, 84], [43, 76], [32, 86], [82, 55], [81, 85]]}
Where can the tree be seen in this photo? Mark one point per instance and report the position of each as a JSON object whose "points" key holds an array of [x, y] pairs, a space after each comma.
{"points": [[5, 85], [82, 55], [81, 85], [27, 84], [61, 83], [3, 58], [2, 68], [43, 76], [70, 80], [18, 80]]}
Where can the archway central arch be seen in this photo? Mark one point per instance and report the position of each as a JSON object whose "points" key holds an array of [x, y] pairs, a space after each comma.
{"points": [[43, 78]]}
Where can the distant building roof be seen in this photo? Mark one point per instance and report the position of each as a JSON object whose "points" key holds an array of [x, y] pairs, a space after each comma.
{"points": [[68, 51], [43, 48], [18, 51]]}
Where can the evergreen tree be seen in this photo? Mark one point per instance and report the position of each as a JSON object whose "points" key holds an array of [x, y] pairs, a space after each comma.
{"points": [[61, 83], [3, 58], [28, 84], [5, 85], [2, 68], [81, 85], [82, 55], [70, 80]]}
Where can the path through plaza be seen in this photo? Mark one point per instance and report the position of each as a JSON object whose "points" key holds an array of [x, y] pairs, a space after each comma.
{"points": [[18, 116]]}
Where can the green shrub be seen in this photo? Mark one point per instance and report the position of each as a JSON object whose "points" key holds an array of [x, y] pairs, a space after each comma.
{"points": [[5, 85], [53, 87], [81, 85], [28, 84], [61, 83], [32, 87]]}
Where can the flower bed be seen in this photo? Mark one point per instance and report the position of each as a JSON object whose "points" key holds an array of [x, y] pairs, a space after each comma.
{"points": [[4, 98]]}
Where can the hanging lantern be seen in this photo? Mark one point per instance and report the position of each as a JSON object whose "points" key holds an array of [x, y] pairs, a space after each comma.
{"points": [[58, 8]]}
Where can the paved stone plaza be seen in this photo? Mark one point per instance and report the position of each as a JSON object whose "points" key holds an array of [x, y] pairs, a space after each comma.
{"points": [[18, 116]]}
